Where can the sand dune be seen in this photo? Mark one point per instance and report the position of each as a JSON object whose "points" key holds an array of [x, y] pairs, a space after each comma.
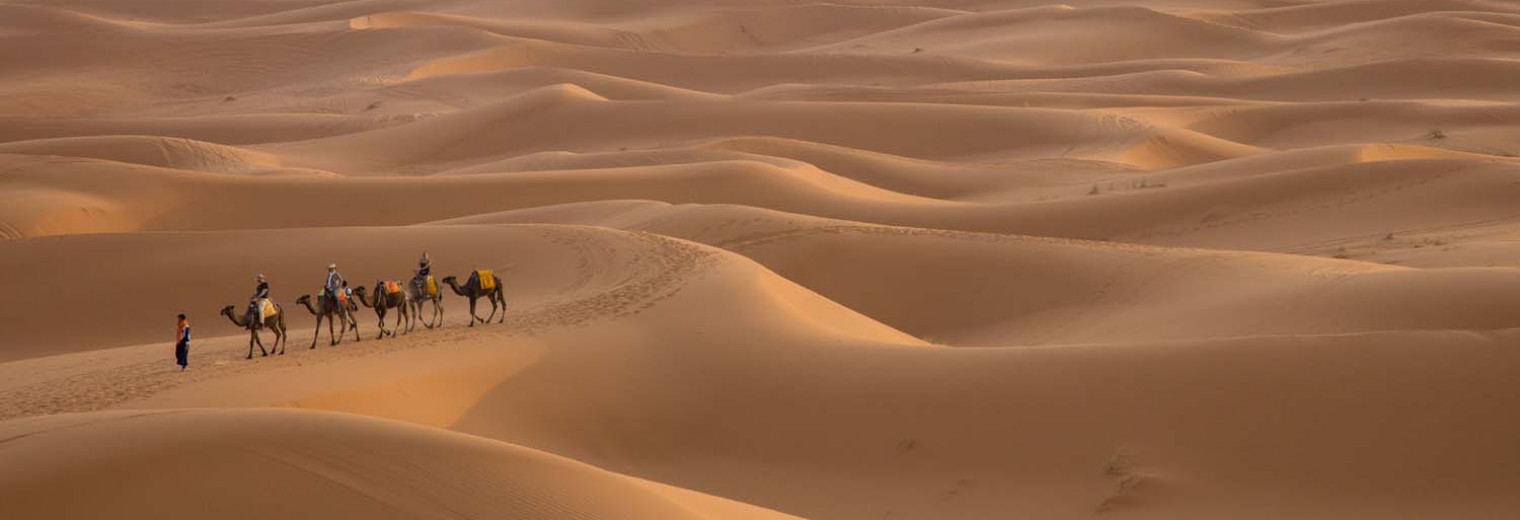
{"points": [[180, 154], [1002, 290], [943, 259], [148, 464]]}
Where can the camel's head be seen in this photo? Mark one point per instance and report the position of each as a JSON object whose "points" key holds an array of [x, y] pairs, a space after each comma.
{"points": [[451, 280], [228, 310], [305, 299]]}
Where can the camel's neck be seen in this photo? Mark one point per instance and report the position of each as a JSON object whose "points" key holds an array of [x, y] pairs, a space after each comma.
{"points": [[453, 284], [309, 308]]}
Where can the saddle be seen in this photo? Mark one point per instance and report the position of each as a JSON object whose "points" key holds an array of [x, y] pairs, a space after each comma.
{"points": [[487, 279], [266, 309], [340, 294], [391, 287], [426, 285]]}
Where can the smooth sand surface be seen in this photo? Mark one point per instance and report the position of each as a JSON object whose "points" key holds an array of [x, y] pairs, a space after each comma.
{"points": [[933, 259]]}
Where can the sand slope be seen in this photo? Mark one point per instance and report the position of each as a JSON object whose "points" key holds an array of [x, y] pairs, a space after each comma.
{"points": [[254, 464]]}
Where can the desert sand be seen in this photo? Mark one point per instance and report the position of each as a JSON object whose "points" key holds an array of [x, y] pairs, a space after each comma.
{"points": [[907, 259]]}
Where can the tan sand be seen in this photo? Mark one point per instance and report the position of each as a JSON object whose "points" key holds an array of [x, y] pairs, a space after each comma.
{"points": [[933, 259]]}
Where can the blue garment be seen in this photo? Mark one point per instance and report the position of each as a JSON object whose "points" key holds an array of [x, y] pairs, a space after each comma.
{"points": [[182, 348]]}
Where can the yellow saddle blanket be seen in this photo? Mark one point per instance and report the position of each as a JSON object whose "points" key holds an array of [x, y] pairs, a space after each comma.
{"points": [[431, 286], [487, 279], [266, 309]]}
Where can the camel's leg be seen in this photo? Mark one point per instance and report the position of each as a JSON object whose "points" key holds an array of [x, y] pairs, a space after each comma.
{"points": [[279, 336], [316, 333], [473, 317], [331, 339], [250, 345], [260, 342], [503, 300]]}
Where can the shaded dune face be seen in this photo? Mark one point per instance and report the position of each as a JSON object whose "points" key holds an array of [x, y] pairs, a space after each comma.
{"points": [[1161, 259]]}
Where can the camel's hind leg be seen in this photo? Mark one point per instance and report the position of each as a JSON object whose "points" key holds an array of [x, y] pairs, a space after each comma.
{"points": [[437, 313]]}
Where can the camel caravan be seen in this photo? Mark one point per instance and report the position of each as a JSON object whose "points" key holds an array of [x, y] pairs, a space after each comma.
{"points": [[336, 303]]}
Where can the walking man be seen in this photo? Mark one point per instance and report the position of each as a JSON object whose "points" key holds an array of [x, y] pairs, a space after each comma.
{"points": [[182, 343]]}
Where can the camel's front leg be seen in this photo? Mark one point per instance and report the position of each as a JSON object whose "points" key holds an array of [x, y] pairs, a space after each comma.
{"points": [[353, 323], [318, 332]]}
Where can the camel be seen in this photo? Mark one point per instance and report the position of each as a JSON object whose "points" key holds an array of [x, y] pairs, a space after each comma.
{"points": [[275, 323], [419, 296], [473, 291], [332, 312], [382, 303]]}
